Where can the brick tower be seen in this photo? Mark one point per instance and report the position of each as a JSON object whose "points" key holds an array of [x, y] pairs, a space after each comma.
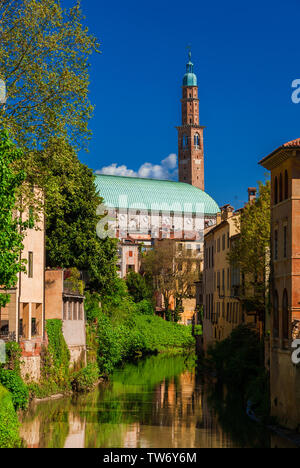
{"points": [[190, 133]]}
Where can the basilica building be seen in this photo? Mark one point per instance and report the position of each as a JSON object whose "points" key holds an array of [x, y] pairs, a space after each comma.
{"points": [[142, 211]]}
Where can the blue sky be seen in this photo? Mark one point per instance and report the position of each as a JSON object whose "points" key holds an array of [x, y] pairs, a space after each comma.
{"points": [[246, 56]]}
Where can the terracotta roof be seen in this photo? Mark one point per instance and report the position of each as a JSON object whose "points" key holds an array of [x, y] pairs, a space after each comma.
{"points": [[292, 143], [288, 144]]}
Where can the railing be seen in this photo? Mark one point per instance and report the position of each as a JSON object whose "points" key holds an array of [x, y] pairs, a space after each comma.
{"points": [[70, 288], [7, 336]]}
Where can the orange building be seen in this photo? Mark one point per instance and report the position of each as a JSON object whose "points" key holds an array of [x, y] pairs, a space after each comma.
{"points": [[284, 164]]}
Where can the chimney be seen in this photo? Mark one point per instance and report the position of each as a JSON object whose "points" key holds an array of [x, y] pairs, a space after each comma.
{"points": [[226, 212], [251, 194], [218, 219]]}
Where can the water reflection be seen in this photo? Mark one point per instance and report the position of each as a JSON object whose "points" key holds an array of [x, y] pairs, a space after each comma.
{"points": [[159, 403]]}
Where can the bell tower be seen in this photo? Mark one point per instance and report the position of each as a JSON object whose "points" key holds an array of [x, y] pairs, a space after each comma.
{"points": [[190, 133]]}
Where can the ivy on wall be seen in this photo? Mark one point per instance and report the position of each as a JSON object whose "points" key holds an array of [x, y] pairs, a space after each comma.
{"points": [[57, 357]]}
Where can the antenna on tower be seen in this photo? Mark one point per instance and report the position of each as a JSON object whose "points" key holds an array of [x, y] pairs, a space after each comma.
{"points": [[189, 48]]}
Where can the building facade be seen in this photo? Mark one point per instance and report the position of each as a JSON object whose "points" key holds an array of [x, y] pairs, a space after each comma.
{"points": [[222, 308], [23, 318], [223, 283], [65, 302], [284, 164]]}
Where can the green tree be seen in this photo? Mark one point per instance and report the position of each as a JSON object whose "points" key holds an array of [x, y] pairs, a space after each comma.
{"points": [[71, 203], [250, 252], [11, 227], [44, 61], [138, 287], [174, 270]]}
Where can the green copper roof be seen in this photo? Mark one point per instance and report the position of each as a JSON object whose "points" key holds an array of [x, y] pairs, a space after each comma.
{"points": [[147, 194], [190, 79]]}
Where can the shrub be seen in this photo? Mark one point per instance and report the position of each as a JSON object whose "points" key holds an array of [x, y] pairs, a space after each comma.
{"points": [[138, 287], [13, 382], [238, 358], [109, 347], [13, 356], [84, 379], [145, 307], [239, 364], [9, 425]]}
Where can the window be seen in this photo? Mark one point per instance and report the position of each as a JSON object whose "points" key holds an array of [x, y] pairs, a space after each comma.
{"points": [[228, 240], [284, 241], [285, 316], [30, 264], [280, 188], [218, 244], [275, 315], [223, 242], [130, 253], [197, 140], [275, 191], [286, 185], [184, 141], [276, 245], [33, 326]]}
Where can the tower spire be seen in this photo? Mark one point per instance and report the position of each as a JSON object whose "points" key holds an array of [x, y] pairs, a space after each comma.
{"points": [[190, 133]]}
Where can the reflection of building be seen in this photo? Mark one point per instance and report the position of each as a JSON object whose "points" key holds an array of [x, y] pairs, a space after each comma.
{"points": [[284, 164], [143, 210], [65, 302]]}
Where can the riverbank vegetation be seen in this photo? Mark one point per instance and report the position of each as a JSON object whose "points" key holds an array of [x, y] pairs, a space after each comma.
{"points": [[238, 362], [9, 424], [120, 330]]}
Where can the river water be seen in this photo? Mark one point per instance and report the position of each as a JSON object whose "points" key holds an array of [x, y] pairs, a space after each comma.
{"points": [[160, 402]]}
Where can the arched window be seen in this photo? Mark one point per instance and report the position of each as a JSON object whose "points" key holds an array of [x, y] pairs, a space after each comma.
{"points": [[285, 316], [184, 141], [280, 188], [275, 191], [275, 316], [286, 185], [197, 140]]}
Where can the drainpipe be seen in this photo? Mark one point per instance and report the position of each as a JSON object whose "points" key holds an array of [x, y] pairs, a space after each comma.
{"points": [[44, 277], [20, 285]]}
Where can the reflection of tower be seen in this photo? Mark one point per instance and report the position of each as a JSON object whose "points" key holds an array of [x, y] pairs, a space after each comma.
{"points": [[190, 133]]}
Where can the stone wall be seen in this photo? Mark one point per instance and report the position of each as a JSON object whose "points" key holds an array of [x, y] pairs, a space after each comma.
{"points": [[31, 360], [74, 333]]}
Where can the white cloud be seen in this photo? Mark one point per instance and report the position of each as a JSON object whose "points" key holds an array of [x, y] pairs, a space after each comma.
{"points": [[167, 169]]}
